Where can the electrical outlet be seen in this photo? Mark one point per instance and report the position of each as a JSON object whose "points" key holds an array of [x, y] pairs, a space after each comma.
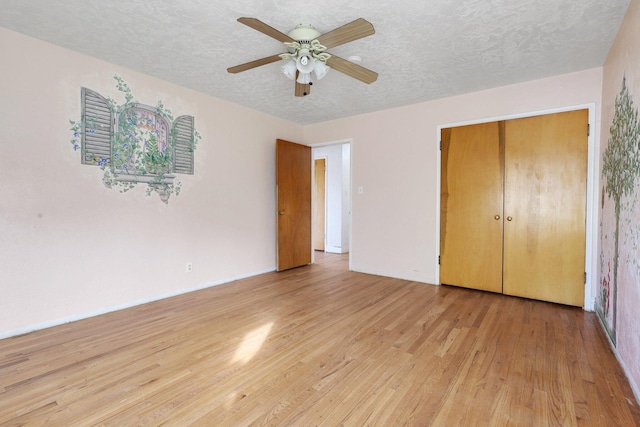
{"points": [[189, 267]]}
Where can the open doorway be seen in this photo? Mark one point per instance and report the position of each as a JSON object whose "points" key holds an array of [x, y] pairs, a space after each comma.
{"points": [[332, 198], [320, 204]]}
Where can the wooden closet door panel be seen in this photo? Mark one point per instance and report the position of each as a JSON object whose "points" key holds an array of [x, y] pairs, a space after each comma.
{"points": [[545, 195], [471, 198]]}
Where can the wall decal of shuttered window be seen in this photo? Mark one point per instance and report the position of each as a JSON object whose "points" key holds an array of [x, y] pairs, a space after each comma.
{"points": [[134, 143]]}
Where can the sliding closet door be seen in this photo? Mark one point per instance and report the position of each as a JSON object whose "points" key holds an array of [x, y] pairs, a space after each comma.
{"points": [[545, 207], [471, 207]]}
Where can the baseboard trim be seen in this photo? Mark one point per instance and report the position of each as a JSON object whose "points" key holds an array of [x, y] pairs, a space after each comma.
{"points": [[627, 373], [335, 250], [64, 320]]}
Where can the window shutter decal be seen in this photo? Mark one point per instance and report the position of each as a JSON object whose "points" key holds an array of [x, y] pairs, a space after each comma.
{"points": [[183, 143], [97, 128]]}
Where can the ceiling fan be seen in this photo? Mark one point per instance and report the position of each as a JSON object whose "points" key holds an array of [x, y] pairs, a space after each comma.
{"points": [[306, 52]]}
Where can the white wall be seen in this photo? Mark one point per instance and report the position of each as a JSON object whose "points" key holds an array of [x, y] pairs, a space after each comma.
{"points": [[395, 158], [346, 197], [69, 247]]}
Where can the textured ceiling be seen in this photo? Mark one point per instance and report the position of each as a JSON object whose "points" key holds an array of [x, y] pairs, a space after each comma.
{"points": [[422, 50]]}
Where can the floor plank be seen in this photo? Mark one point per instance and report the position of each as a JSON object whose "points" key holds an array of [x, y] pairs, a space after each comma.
{"points": [[320, 345]]}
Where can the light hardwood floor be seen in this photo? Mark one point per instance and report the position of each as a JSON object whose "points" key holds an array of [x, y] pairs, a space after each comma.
{"points": [[319, 345]]}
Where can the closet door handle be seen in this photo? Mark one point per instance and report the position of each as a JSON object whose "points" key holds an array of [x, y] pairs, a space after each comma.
{"points": [[509, 218], [497, 217]]}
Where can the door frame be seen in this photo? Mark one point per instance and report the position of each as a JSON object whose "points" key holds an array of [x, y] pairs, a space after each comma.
{"points": [[593, 181], [313, 196]]}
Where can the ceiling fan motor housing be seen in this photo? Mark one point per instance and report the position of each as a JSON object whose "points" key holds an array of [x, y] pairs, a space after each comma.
{"points": [[304, 33]]}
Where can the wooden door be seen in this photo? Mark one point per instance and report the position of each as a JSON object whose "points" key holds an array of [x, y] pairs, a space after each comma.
{"points": [[471, 207], [545, 207], [319, 226], [293, 187]]}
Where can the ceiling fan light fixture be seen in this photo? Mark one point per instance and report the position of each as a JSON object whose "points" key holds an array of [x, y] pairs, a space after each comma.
{"points": [[304, 78], [320, 69], [289, 69], [305, 63]]}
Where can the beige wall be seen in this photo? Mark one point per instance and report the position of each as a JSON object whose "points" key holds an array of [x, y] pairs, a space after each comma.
{"points": [[623, 61], [395, 158], [69, 247]]}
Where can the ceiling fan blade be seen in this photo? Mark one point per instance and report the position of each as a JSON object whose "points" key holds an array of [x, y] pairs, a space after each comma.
{"points": [[351, 69], [347, 33], [254, 64], [258, 25], [301, 89]]}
